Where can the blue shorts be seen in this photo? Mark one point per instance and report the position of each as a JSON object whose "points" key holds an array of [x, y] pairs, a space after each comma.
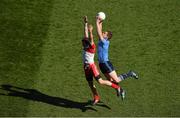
{"points": [[106, 67]]}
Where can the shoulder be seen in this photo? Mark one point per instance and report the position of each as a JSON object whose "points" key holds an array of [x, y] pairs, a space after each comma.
{"points": [[104, 40]]}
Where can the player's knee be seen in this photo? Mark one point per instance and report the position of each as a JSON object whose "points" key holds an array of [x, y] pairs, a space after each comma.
{"points": [[100, 81], [117, 80]]}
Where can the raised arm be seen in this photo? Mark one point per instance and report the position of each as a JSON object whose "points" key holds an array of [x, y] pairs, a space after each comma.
{"points": [[85, 27], [99, 28], [90, 28]]}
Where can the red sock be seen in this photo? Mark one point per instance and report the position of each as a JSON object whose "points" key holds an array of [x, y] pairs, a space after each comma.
{"points": [[115, 86], [96, 97]]}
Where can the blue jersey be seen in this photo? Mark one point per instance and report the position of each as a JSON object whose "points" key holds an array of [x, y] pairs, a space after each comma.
{"points": [[103, 47]]}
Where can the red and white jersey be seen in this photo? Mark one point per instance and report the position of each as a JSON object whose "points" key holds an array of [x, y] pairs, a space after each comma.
{"points": [[88, 51]]}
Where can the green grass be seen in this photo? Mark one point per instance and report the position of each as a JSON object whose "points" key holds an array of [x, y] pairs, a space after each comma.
{"points": [[40, 49]]}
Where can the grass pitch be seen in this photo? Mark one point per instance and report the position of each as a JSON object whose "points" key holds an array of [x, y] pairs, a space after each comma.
{"points": [[41, 70]]}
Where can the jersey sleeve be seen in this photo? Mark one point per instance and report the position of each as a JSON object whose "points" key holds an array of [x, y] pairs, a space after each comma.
{"points": [[103, 40]]}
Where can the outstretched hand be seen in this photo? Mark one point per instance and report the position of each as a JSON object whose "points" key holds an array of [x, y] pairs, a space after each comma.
{"points": [[98, 20], [85, 19]]}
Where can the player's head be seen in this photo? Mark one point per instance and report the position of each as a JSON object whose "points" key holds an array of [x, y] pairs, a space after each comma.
{"points": [[107, 34]]}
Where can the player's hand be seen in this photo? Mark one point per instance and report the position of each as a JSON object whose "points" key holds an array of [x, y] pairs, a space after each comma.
{"points": [[90, 28], [85, 19], [98, 20]]}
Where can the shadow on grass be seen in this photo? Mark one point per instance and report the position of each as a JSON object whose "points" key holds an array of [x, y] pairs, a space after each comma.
{"points": [[35, 95]]}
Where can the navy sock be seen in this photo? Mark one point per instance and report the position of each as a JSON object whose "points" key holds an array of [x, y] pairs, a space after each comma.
{"points": [[124, 76]]}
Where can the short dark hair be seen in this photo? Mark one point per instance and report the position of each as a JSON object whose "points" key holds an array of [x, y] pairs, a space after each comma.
{"points": [[109, 34]]}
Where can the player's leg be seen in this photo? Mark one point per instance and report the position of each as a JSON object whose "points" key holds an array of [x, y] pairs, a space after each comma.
{"points": [[108, 70], [106, 82], [96, 97], [89, 78], [113, 76], [110, 73], [127, 75], [115, 80]]}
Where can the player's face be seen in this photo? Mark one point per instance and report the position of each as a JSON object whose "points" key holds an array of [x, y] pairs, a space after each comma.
{"points": [[105, 34]]}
